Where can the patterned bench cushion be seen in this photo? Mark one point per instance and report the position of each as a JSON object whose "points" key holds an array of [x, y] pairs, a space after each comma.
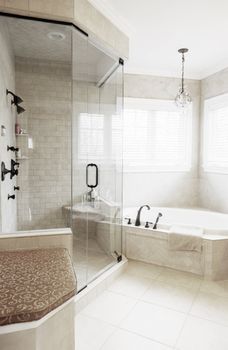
{"points": [[33, 283]]}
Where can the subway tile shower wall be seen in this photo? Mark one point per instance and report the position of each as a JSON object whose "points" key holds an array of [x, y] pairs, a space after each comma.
{"points": [[8, 210], [45, 178]]}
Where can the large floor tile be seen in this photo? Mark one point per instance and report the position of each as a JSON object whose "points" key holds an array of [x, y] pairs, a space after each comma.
{"points": [[110, 307], [199, 334], [216, 287], [90, 334], [123, 340], [186, 279], [131, 285], [144, 270], [155, 322], [176, 297], [211, 307]]}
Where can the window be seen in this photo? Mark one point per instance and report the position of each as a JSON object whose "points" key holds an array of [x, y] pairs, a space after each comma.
{"points": [[157, 136], [91, 136], [215, 155]]}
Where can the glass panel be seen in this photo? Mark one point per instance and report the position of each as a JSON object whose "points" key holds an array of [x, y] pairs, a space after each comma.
{"points": [[106, 135], [69, 138], [41, 53], [80, 157], [97, 187]]}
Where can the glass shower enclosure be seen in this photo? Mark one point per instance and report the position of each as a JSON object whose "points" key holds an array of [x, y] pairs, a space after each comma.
{"points": [[69, 138]]}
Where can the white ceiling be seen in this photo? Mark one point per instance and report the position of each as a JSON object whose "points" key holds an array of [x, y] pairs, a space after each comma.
{"points": [[158, 28]]}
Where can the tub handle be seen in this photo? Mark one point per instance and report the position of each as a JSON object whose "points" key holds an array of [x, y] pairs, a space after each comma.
{"points": [[148, 223], [128, 221]]}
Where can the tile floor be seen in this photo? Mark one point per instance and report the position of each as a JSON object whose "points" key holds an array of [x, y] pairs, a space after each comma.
{"points": [[154, 308]]}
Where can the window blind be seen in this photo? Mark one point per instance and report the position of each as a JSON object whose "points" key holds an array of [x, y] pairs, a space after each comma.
{"points": [[215, 155], [151, 136], [156, 138]]}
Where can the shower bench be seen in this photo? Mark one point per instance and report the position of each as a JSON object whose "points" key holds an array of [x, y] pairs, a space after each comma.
{"points": [[36, 304]]}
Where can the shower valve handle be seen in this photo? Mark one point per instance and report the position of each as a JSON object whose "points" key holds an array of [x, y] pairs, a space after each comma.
{"points": [[11, 197], [12, 148]]}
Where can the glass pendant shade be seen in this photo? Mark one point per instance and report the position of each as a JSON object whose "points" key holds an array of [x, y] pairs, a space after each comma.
{"points": [[183, 98]]}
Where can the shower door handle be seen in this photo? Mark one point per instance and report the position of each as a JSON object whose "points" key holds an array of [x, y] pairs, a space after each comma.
{"points": [[91, 165]]}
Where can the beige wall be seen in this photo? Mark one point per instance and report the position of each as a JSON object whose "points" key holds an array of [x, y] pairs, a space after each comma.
{"points": [[163, 189], [213, 187], [45, 178], [80, 12], [7, 118]]}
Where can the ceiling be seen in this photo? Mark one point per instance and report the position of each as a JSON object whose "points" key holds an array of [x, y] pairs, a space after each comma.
{"points": [[158, 28]]}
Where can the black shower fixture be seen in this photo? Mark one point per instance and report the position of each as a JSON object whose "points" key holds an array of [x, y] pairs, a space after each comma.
{"points": [[4, 171], [11, 197], [13, 172], [12, 148], [20, 109], [16, 99]]}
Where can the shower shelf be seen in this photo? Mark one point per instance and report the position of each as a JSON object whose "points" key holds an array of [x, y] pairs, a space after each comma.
{"points": [[21, 134]]}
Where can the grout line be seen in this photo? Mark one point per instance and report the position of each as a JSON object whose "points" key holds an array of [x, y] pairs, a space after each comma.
{"points": [[187, 315]]}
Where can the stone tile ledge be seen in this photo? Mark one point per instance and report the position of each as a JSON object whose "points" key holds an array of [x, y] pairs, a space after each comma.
{"points": [[35, 233]]}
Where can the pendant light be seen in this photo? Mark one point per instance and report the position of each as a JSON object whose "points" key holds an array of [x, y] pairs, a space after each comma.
{"points": [[183, 99]]}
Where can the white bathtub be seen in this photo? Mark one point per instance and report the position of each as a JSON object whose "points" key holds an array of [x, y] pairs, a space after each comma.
{"points": [[151, 246], [211, 222]]}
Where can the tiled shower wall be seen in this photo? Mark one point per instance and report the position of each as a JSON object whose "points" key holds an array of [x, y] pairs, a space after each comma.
{"points": [[7, 118], [45, 177]]}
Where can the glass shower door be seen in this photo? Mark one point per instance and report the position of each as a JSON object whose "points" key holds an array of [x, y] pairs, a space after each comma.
{"points": [[97, 159]]}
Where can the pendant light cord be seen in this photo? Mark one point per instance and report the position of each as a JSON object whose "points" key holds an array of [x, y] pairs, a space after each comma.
{"points": [[182, 77]]}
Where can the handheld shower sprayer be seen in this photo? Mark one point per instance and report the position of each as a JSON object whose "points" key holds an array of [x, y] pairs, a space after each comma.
{"points": [[156, 222]]}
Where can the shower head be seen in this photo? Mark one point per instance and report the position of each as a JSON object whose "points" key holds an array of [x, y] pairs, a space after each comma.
{"points": [[16, 99], [20, 109]]}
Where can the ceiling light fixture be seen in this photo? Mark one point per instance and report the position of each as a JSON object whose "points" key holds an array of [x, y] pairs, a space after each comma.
{"points": [[183, 99], [57, 36]]}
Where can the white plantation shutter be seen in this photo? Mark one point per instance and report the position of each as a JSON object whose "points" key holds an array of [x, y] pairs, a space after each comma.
{"points": [[91, 136], [153, 136], [157, 137], [215, 156]]}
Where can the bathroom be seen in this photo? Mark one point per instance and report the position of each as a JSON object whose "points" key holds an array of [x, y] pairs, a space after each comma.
{"points": [[113, 176]]}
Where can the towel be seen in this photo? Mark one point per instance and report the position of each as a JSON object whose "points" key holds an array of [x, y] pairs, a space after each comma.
{"points": [[185, 238]]}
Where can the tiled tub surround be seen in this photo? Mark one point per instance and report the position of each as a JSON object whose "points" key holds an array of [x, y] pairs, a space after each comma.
{"points": [[151, 246]]}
